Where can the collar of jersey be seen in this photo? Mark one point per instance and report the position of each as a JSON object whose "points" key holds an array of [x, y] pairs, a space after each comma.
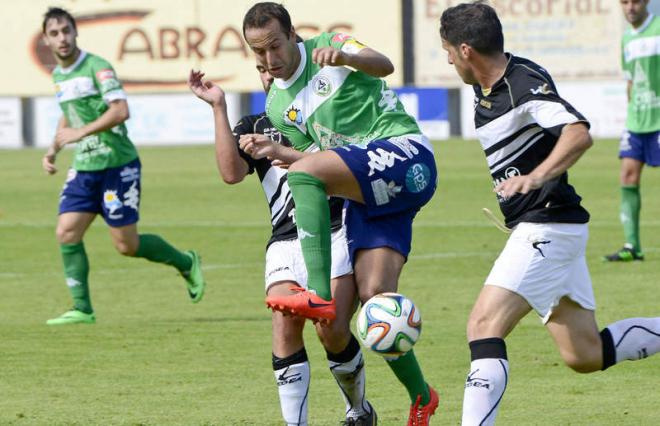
{"points": [[74, 65], [509, 65], [285, 84], [635, 31]]}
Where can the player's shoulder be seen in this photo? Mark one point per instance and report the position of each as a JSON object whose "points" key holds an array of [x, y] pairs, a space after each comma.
{"points": [[96, 61], [527, 78]]}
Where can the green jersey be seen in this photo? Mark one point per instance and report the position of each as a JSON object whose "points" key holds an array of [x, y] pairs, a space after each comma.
{"points": [[335, 106], [84, 91], [641, 66]]}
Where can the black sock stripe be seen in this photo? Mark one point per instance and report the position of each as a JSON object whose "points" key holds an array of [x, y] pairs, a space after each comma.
{"points": [[300, 413], [492, 347], [623, 336], [296, 358], [609, 353], [506, 382], [349, 352]]}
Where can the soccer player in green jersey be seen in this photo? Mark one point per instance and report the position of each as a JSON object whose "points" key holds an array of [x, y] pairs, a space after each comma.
{"points": [[105, 175], [640, 143], [327, 94]]}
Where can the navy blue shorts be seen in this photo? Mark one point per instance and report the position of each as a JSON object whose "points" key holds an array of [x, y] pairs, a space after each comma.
{"points": [[397, 177], [644, 147], [114, 193]]}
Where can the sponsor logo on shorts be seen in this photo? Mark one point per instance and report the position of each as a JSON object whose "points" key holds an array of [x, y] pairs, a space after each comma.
{"points": [[112, 202], [129, 174], [417, 177], [276, 270], [383, 191], [536, 245], [380, 159], [404, 144]]}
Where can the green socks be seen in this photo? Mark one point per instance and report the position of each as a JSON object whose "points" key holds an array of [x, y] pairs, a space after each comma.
{"points": [[631, 204], [313, 222], [76, 271], [154, 248], [407, 370]]}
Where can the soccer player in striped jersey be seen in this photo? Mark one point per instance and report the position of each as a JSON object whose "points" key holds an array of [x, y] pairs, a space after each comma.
{"points": [[531, 137], [640, 144], [105, 176], [285, 268], [327, 94]]}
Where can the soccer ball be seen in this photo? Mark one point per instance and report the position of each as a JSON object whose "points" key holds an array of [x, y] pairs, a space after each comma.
{"points": [[389, 324]]}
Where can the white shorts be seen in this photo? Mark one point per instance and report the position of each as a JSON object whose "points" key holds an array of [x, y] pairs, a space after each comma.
{"points": [[285, 262], [543, 262]]}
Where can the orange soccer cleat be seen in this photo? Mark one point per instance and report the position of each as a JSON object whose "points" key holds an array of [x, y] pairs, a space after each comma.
{"points": [[303, 304], [420, 415]]}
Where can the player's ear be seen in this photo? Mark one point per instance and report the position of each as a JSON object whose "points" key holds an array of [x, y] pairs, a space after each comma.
{"points": [[292, 34], [465, 50]]}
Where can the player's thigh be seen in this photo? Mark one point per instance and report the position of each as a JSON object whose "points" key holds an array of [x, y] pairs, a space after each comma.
{"points": [[328, 167], [377, 270], [495, 313], [575, 332], [71, 226], [125, 239]]}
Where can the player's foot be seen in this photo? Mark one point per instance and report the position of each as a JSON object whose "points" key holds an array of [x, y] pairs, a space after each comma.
{"points": [[73, 317], [303, 304], [420, 415], [626, 254], [194, 278], [369, 419]]}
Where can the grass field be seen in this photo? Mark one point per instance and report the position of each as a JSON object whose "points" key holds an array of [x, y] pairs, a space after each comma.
{"points": [[153, 358]]}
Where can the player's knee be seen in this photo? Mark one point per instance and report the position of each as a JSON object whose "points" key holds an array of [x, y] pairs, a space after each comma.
{"points": [[65, 235], [334, 337], [479, 327], [586, 361], [125, 248]]}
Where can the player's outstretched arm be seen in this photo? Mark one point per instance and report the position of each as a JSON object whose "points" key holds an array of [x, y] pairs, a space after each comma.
{"points": [[572, 143], [116, 114], [231, 166], [366, 60]]}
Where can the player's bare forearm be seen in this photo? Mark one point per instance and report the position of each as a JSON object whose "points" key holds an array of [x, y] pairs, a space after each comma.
{"points": [[231, 166], [572, 143], [371, 62], [116, 114]]}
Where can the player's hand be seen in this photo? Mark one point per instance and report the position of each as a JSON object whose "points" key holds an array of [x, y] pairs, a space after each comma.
{"points": [[258, 146], [329, 56], [48, 161], [206, 90], [67, 135], [518, 185]]}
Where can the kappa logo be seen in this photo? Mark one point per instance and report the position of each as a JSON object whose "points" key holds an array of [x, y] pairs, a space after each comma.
{"points": [[132, 197], [72, 282], [388, 98], [321, 85], [302, 234], [543, 89], [379, 160]]}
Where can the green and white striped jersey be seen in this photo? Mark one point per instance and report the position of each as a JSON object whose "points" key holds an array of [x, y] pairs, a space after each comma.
{"points": [[641, 66], [84, 91], [335, 106]]}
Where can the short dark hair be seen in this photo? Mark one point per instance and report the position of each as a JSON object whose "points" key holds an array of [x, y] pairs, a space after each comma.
{"points": [[262, 13], [475, 24], [57, 13]]}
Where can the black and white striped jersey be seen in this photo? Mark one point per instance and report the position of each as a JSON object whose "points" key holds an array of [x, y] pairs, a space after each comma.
{"points": [[274, 182], [518, 123]]}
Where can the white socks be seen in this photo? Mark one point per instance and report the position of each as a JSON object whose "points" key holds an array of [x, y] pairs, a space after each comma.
{"points": [[486, 383], [348, 369], [632, 339], [292, 377]]}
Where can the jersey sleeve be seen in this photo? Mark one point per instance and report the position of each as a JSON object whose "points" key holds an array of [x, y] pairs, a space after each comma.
{"points": [[346, 43], [244, 126], [538, 97], [107, 82]]}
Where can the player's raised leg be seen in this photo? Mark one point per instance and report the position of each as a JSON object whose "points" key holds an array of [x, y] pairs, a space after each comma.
{"points": [[311, 179], [585, 349], [71, 227], [377, 271], [495, 313], [154, 248]]}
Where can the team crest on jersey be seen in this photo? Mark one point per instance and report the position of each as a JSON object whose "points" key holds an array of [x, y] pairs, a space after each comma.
{"points": [[293, 115], [543, 89], [340, 37], [321, 85]]}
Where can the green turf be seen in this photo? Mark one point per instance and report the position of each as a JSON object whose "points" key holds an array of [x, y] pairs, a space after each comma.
{"points": [[153, 358]]}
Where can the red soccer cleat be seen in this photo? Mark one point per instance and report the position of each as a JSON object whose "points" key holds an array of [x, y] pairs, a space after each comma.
{"points": [[420, 415], [303, 304]]}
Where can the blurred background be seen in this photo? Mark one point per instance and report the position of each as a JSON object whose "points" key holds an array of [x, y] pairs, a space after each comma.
{"points": [[154, 43]]}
